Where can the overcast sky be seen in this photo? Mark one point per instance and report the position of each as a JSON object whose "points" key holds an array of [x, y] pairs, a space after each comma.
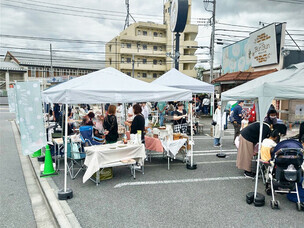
{"points": [[101, 20]]}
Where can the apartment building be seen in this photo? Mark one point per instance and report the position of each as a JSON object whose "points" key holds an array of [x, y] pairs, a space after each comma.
{"points": [[144, 48]]}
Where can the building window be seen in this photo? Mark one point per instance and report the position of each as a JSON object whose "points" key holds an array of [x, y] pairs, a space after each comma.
{"points": [[160, 48], [145, 33], [155, 34], [154, 61], [138, 74], [128, 60], [110, 48], [128, 45], [122, 45], [33, 72], [160, 62], [144, 47], [138, 32], [160, 34], [144, 75], [154, 75], [155, 48], [144, 61], [110, 60], [122, 59], [129, 73]]}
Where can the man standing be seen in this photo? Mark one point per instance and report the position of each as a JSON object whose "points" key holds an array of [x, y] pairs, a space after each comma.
{"points": [[227, 111], [161, 108], [237, 116], [206, 103]]}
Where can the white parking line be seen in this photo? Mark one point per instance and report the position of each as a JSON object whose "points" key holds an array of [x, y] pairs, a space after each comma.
{"points": [[139, 183], [199, 163], [217, 150], [208, 154], [225, 137]]}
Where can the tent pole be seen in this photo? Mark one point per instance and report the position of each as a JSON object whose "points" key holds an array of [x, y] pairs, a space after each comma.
{"points": [[65, 193], [258, 164], [65, 147], [191, 166]]}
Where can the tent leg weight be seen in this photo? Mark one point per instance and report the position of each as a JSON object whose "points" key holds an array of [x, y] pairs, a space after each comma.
{"points": [[221, 155], [62, 195], [193, 167]]}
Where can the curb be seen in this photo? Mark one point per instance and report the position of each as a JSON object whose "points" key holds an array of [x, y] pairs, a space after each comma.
{"points": [[60, 210]]}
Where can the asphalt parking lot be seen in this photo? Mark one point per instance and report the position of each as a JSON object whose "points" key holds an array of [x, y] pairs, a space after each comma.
{"points": [[213, 195]]}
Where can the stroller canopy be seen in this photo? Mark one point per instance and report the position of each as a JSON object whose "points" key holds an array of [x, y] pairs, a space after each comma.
{"points": [[289, 143]]}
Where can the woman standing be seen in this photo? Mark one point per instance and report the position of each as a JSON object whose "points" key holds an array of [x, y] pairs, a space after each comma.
{"points": [[138, 123], [219, 120], [110, 125], [179, 117], [248, 138]]}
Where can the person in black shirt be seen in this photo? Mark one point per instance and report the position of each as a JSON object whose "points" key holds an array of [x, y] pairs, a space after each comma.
{"points": [[138, 123], [110, 125], [248, 138], [179, 117], [237, 116]]}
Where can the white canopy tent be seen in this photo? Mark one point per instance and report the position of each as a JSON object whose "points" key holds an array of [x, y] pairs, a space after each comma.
{"points": [[284, 84], [109, 86], [176, 79]]}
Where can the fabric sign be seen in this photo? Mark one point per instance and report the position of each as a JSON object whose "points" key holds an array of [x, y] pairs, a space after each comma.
{"points": [[30, 117]]}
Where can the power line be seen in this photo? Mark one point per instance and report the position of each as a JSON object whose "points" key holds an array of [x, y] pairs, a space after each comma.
{"points": [[290, 1], [82, 41]]}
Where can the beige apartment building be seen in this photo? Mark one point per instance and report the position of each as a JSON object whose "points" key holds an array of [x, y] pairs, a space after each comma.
{"points": [[146, 47]]}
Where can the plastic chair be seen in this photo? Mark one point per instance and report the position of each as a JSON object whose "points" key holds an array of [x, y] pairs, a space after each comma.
{"points": [[87, 136]]}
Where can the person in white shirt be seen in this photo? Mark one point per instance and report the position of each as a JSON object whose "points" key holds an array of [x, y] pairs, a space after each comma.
{"points": [[120, 113], [145, 112], [130, 113], [220, 119], [206, 103]]}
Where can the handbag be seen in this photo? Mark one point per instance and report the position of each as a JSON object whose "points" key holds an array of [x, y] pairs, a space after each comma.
{"points": [[213, 123]]}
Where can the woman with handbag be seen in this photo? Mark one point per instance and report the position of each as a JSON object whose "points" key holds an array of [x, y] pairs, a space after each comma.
{"points": [[179, 117], [217, 123]]}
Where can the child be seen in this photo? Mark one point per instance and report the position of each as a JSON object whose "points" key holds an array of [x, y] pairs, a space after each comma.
{"points": [[268, 144]]}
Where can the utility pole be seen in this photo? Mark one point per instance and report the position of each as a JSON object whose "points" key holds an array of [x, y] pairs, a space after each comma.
{"points": [[127, 21], [177, 54], [51, 54], [212, 41], [133, 61]]}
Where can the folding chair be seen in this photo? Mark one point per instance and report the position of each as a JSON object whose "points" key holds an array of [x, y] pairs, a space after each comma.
{"points": [[76, 157], [87, 136]]}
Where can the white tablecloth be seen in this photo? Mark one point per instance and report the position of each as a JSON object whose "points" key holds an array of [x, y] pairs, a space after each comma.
{"points": [[173, 146], [101, 155]]}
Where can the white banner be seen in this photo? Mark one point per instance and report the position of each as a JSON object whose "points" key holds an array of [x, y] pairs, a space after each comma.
{"points": [[30, 116], [263, 46]]}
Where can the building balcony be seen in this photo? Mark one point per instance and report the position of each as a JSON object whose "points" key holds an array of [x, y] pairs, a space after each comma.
{"points": [[145, 39], [191, 73], [191, 29], [189, 44], [191, 58], [143, 67]]}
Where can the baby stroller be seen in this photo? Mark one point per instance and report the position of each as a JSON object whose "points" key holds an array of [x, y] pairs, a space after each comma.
{"points": [[284, 171]]}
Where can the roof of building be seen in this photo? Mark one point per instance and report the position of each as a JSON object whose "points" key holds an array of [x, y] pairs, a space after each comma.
{"points": [[34, 59], [242, 76], [11, 66]]}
